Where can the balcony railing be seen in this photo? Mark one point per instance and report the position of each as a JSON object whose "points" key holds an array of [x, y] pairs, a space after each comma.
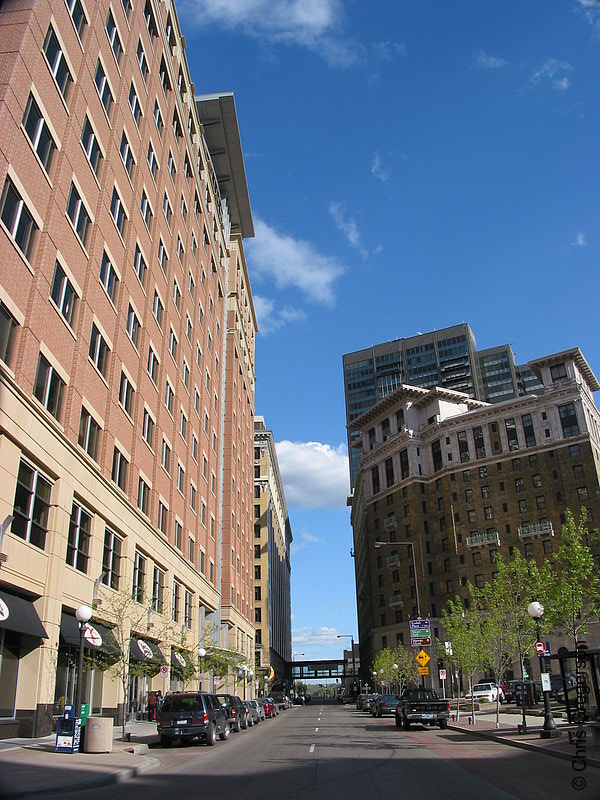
{"points": [[396, 600], [390, 522], [536, 529], [481, 539], [393, 561]]}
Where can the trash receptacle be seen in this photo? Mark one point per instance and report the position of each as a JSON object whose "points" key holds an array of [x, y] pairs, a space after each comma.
{"points": [[98, 735]]}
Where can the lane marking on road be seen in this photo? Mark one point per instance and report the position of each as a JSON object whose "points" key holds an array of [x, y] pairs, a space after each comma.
{"points": [[312, 748], [316, 729]]}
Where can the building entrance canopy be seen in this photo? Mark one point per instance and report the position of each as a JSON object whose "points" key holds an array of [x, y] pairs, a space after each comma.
{"points": [[18, 614]]}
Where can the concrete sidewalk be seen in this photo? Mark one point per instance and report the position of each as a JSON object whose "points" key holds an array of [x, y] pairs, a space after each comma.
{"points": [[508, 733], [30, 767]]}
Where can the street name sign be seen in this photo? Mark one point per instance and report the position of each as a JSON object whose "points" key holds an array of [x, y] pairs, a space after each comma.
{"points": [[420, 633]]}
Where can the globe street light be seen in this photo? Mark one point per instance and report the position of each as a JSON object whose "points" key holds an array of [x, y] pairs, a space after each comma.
{"points": [[83, 614], [549, 731], [201, 654]]}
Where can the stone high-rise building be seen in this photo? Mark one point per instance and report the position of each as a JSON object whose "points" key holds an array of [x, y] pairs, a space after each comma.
{"points": [[126, 356], [446, 482]]}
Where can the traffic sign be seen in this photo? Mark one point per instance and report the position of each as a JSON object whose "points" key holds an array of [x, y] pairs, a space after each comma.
{"points": [[422, 658], [420, 632], [423, 670], [164, 671], [539, 647], [442, 674]]}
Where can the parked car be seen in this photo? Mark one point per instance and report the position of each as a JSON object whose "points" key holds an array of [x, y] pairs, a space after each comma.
{"points": [[557, 689], [360, 699], [368, 699], [191, 715], [236, 713], [269, 707], [281, 700], [421, 705], [252, 715], [485, 692], [259, 708], [384, 704], [346, 699]]}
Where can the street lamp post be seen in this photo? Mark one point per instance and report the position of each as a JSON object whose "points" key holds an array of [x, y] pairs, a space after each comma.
{"points": [[414, 566], [549, 731], [201, 654], [83, 614], [351, 637]]}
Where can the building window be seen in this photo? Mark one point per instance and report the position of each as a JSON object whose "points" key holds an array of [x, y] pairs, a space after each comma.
{"points": [[152, 161], [463, 447], [536, 480], [528, 430], [176, 598], [163, 258], [522, 506], [78, 17], [511, 434], [158, 119], [169, 397], [166, 456], [173, 344], [17, 219], [540, 502], [180, 477], [146, 209], [49, 387], [519, 485], [113, 37], [111, 559], [89, 433], [31, 506], [468, 495], [568, 420], [139, 577], [8, 326], [126, 154], [471, 516], [488, 512], [142, 60], [582, 493], [119, 469], [108, 276], [148, 428], [78, 545], [558, 372], [143, 498], [157, 308], [158, 590], [63, 294], [133, 326], [104, 91], [188, 604], [38, 132], [77, 213], [98, 351], [134, 105], [57, 63], [177, 296], [117, 211], [126, 391], [152, 365]]}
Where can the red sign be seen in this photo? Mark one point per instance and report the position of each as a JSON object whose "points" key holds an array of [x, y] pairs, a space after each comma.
{"points": [[539, 647]]}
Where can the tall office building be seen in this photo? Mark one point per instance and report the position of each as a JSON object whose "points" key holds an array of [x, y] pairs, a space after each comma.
{"points": [[446, 482], [272, 568], [446, 357], [126, 341]]}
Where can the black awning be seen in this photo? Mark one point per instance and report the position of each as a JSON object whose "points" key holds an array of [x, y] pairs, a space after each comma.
{"points": [[145, 651], [18, 614], [97, 637], [181, 659]]}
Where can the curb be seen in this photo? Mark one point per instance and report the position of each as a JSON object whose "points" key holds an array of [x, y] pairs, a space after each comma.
{"points": [[105, 779]]}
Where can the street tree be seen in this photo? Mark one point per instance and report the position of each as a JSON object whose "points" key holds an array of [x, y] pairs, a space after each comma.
{"points": [[571, 594], [463, 629]]}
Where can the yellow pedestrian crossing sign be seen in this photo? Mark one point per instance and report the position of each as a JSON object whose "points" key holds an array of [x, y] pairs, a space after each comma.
{"points": [[422, 658]]}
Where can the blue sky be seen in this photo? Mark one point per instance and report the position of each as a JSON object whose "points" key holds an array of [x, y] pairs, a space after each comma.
{"points": [[411, 165]]}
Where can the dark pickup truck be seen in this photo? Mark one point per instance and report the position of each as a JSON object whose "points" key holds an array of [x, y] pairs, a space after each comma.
{"points": [[421, 705]]}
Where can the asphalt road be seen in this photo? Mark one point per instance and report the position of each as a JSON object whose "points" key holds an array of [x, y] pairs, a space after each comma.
{"points": [[333, 752]]}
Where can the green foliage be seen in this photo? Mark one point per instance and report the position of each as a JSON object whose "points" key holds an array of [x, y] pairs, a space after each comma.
{"points": [[571, 594], [395, 667]]}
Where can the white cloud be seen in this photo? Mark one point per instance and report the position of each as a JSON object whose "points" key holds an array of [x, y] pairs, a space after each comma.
{"points": [[289, 262], [551, 70], [580, 239], [271, 317], [487, 61], [378, 170], [347, 225], [314, 475], [313, 24], [590, 9], [385, 51], [303, 540], [308, 636]]}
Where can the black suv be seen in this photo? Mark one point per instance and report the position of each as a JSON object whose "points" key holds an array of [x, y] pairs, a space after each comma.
{"points": [[236, 713], [190, 715]]}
